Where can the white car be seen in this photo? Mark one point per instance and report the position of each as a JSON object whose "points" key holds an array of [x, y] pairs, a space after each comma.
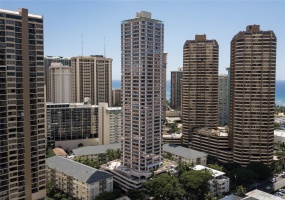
{"points": [[273, 180], [268, 187]]}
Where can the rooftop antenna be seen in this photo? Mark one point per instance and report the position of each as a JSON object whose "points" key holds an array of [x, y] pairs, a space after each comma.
{"points": [[104, 48], [81, 44]]}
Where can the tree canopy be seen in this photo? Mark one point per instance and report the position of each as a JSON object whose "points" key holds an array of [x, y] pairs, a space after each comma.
{"points": [[261, 169], [165, 186]]}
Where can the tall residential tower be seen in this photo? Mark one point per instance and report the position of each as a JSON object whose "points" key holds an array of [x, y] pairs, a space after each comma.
{"points": [[252, 93], [200, 85], [176, 88], [22, 106], [142, 91]]}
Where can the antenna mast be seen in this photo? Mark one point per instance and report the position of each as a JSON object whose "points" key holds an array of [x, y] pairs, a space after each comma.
{"points": [[104, 48], [81, 44]]}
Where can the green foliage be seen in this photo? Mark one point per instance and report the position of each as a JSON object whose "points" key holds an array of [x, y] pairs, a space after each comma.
{"points": [[216, 167], [49, 153], [276, 166], [165, 186], [173, 127], [183, 167], [209, 196], [54, 193], [135, 194], [87, 161], [240, 191], [106, 196], [196, 183], [261, 169], [113, 154], [244, 175], [80, 145]]}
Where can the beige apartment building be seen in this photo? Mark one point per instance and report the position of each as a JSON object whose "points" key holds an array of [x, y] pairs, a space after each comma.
{"points": [[109, 126], [65, 61], [78, 180], [92, 77], [200, 85], [116, 97], [252, 93], [22, 106], [60, 83]]}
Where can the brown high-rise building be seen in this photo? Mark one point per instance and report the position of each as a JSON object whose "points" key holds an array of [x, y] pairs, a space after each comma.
{"points": [[92, 77], [22, 106], [176, 88], [252, 93], [200, 85]]}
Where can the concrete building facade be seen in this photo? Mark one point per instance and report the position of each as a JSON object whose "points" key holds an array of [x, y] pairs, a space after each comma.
{"points": [[223, 100], [60, 83], [110, 121], [47, 63], [73, 123], [116, 97], [22, 106], [252, 82], [78, 180], [176, 88], [92, 77], [142, 91], [200, 85]]}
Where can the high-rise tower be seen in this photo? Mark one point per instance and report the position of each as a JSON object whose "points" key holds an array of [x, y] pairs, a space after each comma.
{"points": [[176, 88], [92, 77], [252, 93], [142, 91], [22, 106], [200, 85]]}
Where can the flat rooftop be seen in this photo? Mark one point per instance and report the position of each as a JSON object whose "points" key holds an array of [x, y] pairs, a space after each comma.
{"points": [[92, 150], [214, 172], [183, 151], [258, 194], [280, 133]]}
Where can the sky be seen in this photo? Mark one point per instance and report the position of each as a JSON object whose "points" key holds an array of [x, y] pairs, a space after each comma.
{"points": [[67, 21]]}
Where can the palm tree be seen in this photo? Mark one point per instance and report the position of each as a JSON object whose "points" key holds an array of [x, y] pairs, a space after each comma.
{"points": [[210, 196], [241, 191]]}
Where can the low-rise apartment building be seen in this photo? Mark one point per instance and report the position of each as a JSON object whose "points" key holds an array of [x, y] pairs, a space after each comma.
{"points": [[220, 183], [182, 154], [78, 180], [95, 153]]}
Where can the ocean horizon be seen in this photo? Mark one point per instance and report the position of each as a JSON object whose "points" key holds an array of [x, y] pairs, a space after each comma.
{"points": [[279, 92]]}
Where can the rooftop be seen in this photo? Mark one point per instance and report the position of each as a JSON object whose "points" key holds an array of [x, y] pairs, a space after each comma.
{"points": [[77, 170], [90, 150], [182, 151], [214, 172], [59, 152], [18, 13], [257, 194], [280, 133]]}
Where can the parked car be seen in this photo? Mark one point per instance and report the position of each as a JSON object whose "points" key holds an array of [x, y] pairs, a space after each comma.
{"points": [[273, 180]]}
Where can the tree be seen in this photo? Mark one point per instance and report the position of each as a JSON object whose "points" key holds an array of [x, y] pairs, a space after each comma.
{"points": [[240, 191], [210, 196], [49, 153], [164, 186], [135, 194], [244, 175], [261, 169], [276, 166], [173, 128], [196, 183], [216, 167], [80, 145], [106, 196]]}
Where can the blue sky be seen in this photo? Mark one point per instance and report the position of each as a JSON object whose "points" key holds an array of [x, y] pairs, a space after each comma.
{"points": [[66, 20]]}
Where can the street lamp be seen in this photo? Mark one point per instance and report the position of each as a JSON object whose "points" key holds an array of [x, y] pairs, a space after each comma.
{"points": [[255, 184]]}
